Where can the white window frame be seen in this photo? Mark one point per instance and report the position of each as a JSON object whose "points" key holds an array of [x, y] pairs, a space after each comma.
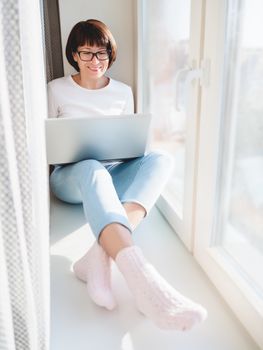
{"points": [[238, 293], [182, 224], [196, 228]]}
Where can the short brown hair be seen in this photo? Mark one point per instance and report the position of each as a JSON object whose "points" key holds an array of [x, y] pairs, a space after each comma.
{"points": [[90, 32]]}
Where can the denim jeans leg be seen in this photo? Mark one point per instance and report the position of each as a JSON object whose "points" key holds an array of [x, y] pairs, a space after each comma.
{"points": [[88, 182], [142, 180]]}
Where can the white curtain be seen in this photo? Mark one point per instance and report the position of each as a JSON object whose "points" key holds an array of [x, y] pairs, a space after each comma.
{"points": [[24, 208]]}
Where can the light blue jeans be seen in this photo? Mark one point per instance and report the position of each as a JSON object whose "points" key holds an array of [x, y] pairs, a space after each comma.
{"points": [[102, 189]]}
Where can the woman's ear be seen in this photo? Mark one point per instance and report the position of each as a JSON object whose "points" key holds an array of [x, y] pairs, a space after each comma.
{"points": [[74, 55]]}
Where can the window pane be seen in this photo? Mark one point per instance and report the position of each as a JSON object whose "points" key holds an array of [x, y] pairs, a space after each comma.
{"points": [[240, 224], [165, 52]]}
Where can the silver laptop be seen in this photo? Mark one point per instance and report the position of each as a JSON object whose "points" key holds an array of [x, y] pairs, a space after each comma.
{"points": [[108, 138]]}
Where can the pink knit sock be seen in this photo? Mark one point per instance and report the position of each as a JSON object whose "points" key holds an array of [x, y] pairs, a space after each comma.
{"points": [[154, 297], [94, 269]]}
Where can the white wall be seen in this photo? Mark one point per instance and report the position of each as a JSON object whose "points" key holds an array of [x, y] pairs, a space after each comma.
{"points": [[118, 15]]}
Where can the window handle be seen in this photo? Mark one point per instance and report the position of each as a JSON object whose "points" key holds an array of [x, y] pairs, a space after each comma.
{"points": [[184, 77]]}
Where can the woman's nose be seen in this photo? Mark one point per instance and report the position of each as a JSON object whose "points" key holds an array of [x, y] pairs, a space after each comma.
{"points": [[94, 59]]}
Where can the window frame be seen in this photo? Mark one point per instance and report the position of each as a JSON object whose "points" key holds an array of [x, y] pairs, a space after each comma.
{"points": [[226, 276], [201, 165], [183, 224]]}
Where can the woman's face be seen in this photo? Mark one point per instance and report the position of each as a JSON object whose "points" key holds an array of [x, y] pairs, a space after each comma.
{"points": [[95, 68]]}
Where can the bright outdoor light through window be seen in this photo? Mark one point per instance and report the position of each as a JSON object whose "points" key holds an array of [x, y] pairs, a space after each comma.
{"points": [[240, 209], [167, 29]]}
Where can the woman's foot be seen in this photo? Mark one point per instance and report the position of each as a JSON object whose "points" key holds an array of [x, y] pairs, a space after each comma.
{"points": [[94, 268], [155, 298]]}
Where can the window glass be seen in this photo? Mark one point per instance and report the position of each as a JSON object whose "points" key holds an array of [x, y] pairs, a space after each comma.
{"points": [[165, 53], [239, 228]]}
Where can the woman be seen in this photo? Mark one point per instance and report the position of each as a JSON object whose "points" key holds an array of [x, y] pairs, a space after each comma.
{"points": [[115, 196]]}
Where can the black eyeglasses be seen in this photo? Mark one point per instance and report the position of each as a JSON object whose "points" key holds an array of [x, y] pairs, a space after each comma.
{"points": [[87, 56]]}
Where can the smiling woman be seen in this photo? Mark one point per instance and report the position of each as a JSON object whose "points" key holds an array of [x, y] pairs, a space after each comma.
{"points": [[94, 64], [91, 48], [91, 33], [115, 196]]}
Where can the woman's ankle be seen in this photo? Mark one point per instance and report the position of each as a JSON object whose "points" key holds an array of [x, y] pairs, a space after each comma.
{"points": [[115, 237]]}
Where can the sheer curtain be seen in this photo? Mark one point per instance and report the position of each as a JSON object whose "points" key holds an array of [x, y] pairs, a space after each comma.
{"points": [[24, 209]]}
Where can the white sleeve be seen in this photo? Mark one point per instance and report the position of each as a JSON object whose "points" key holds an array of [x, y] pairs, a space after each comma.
{"points": [[129, 106], [52, 106]]}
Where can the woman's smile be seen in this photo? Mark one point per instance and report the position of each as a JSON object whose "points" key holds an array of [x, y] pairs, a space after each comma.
{"points": [[94, 68]]}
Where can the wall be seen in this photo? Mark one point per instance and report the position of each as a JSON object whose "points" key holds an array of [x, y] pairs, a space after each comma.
{"points": [[118, 15]]}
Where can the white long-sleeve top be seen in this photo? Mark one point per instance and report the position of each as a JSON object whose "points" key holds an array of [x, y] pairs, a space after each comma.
{"points": [[68, 99]]}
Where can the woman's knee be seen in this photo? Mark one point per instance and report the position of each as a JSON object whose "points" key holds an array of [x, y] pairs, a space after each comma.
{"points": [[88, 166], [161, 159], [90, 169]]}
